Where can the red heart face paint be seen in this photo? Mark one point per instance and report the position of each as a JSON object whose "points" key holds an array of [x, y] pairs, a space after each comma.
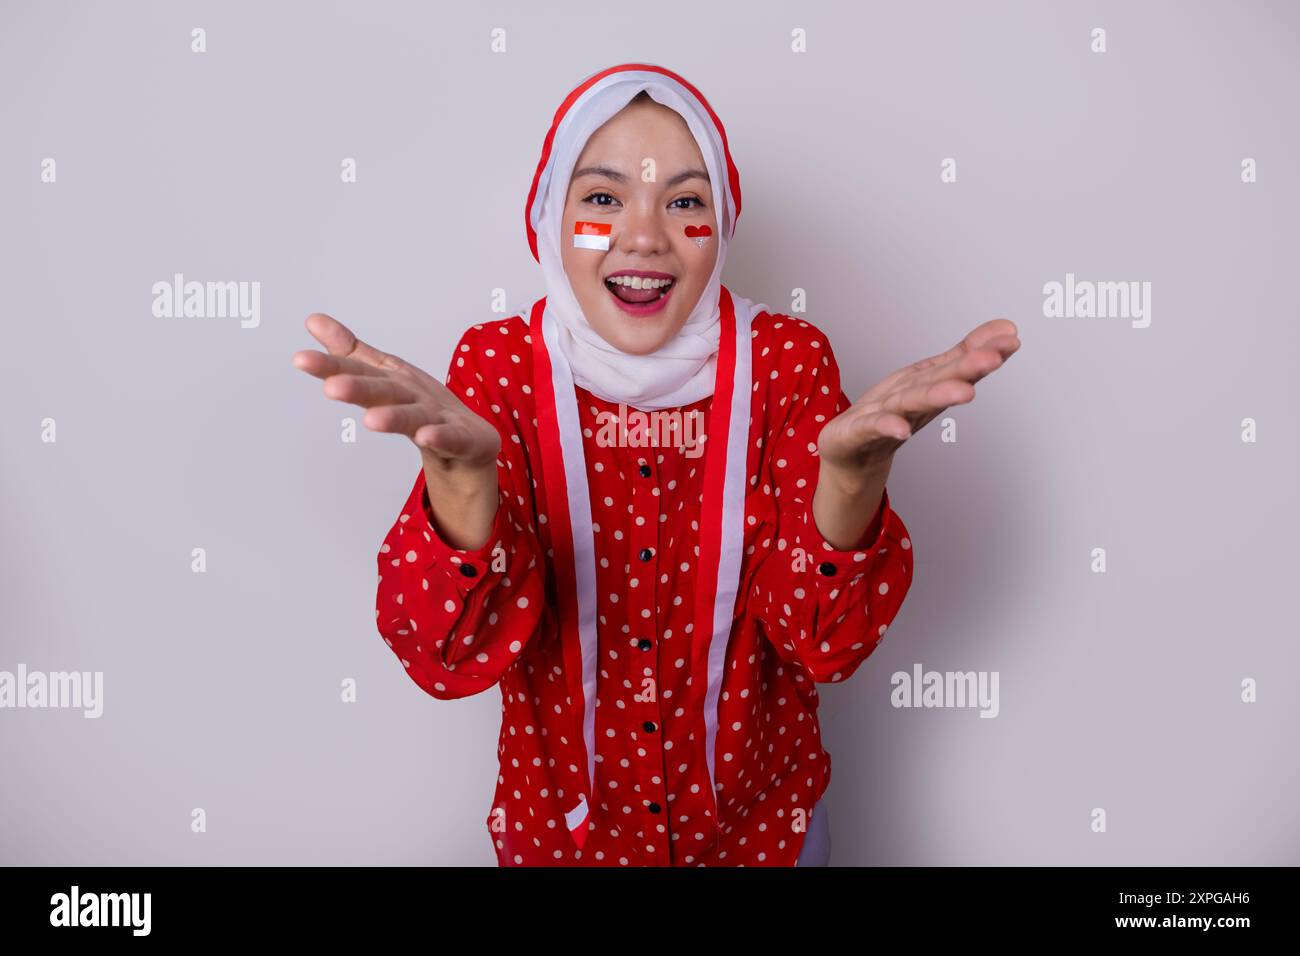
{"points": [[699, 233]]}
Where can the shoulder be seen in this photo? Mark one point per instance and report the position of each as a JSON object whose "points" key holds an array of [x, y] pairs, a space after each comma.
{"points": [[511, 332], [787, 339], [787, 347], [493, 350], [494, 361], [796, 379]]}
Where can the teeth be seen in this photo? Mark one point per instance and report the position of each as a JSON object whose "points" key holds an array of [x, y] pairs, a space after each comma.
{"points": [[636, 282]]}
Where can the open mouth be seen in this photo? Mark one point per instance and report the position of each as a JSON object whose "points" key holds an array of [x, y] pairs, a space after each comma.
{"points": [[640, 292]]}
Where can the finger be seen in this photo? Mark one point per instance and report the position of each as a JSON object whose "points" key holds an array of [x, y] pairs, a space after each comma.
{"points": [[322, 365], [1005, 345], [1004, 348], [339, 340], [963, 366], [449, 439], [895, 426], [405, 419], [368, 391], [981, 336], [974, 339], [928, 399], [970, 367], [906, 376], [882, 423]]}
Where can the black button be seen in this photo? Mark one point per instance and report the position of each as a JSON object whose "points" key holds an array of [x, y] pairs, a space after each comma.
{"points": [[827, 568], [646, 554], [654, 808], [645, 471], [644, 644], [649, 726], [468, 570]]}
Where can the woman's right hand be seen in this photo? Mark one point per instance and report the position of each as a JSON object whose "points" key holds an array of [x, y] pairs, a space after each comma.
{"points": [[458, 447]]}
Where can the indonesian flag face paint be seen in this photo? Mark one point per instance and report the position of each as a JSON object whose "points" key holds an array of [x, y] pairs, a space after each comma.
{"points": [[591, 235], [567, 529]]}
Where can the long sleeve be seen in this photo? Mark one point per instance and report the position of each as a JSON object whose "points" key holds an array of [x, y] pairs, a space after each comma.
{"points": [[821, 607], [458, 618]]}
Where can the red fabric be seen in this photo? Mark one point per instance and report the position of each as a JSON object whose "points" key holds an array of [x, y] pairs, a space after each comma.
{"points": [[458, 635]]}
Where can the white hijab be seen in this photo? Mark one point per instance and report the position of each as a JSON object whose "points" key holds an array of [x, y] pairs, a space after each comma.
{"points": [[682, 370]]}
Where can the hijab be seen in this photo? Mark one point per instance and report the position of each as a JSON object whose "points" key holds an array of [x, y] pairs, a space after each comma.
{"points": [[682, 370]]}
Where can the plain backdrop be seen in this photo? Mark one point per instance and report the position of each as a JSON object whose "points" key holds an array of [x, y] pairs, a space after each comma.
{"points": [[1119, 691]]}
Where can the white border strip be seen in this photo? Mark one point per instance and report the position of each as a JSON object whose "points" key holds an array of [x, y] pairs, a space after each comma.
{"points": [[584, 556], [733, 533]]}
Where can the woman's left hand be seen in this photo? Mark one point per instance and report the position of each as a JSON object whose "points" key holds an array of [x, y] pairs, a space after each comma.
{"points": [[866, 434]]}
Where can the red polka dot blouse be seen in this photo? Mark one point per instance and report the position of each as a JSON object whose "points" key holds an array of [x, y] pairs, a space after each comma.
{"points": [[463, 621]]}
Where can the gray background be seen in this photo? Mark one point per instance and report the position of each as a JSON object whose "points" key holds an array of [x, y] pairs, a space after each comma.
{"points": [[222, 689]]}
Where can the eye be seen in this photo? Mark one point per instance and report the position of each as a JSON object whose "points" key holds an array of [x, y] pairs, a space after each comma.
{"points": [[595, 198], [687, 199]]}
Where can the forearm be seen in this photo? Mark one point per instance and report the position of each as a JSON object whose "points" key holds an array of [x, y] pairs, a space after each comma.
{"points": [[828, 611], [846, 502], [435, 603], [463, 502]]}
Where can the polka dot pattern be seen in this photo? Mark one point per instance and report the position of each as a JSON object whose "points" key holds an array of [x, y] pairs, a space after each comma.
{"points": [[462, 621]]}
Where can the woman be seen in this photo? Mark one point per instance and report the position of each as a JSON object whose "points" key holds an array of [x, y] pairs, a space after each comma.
{"points": [[646, 509]]}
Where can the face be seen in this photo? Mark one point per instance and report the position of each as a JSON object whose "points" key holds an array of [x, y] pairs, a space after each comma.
{"points": [[657, 234]]}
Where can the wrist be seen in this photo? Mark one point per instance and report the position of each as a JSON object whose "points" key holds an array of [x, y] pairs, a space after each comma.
{"points": [[856, 480], [465, 483]]}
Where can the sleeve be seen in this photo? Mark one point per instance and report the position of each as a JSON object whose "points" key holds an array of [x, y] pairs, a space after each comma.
{"points": [[823, 608], [458, 618]]}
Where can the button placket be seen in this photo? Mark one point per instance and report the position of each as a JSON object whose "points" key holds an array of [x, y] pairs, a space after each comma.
{"points": [[646, 535], [646, 548]]}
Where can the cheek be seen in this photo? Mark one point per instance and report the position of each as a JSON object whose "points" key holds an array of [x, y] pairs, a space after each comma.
{"points": [[582, 266], [698, 257]]}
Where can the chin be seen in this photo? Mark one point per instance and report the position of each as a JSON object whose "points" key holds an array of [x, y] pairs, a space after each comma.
{"points": [[639, 336], [629, 333]]}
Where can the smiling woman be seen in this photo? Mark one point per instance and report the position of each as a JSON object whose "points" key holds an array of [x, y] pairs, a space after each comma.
{"points": [[640, 294], [697, 587]]}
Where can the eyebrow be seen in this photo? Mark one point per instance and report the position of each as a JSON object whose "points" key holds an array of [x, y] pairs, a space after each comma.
{"points": [[688, 174], [606, 171], [610, 173]]}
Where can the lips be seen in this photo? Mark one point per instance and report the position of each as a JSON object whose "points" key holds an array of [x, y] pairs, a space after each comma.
{"points": [[638, 291]]}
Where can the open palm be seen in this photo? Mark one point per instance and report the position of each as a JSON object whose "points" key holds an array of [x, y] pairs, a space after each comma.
{"points": [[398, 396], [890, 412]]}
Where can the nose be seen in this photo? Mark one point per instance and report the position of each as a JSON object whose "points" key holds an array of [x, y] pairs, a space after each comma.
{"points": [[644, 231]]}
